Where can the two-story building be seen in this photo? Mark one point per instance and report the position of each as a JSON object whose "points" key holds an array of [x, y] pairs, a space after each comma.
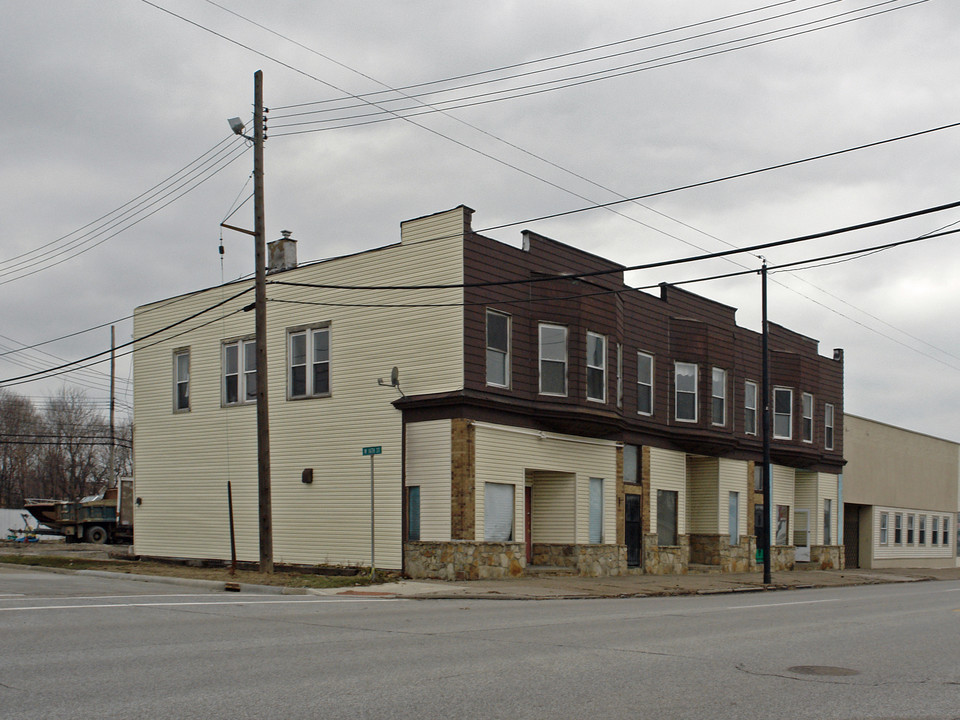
{"points": [[550, 416]]}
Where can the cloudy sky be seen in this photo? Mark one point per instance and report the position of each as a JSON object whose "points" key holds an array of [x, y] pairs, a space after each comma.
{"points": [[118, 164]]}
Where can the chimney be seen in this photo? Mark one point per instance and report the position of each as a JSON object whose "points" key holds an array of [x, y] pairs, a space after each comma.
{"points": [[282, 253]]}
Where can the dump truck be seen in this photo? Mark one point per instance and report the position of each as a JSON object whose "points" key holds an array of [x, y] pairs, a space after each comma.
{"points": [[103, 518]]}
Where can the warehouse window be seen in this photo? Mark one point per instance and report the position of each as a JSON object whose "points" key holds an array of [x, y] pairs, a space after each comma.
{"points": [[898, 529], [922, 531], [884, 519], [910, 524], [935, 531]]}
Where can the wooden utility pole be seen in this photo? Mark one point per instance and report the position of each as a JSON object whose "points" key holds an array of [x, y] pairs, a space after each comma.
{"points": [[260, 313], [111, 473]]}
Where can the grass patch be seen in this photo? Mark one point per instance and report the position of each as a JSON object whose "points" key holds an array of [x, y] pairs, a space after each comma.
{"points": [[146, 567]]}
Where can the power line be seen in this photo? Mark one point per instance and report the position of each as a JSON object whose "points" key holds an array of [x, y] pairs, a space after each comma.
{"points": [[577, 80]]}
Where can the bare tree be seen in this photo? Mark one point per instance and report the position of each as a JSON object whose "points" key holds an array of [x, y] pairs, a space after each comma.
{"points": [[19, 427], [74, 460]]}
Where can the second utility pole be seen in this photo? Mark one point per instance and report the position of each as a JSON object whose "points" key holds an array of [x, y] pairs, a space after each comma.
{"points": [[260, 321]]}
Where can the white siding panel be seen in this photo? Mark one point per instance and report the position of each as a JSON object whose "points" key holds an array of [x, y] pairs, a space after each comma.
{"points": [[783, 482], [184, 460], [703, 495], [554, 506], [429, 449], [505, 454], [904, 551], [734, 478], [668, 471]]}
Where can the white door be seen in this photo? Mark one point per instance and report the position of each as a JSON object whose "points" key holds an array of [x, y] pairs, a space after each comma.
{"points": [[801, 535]]}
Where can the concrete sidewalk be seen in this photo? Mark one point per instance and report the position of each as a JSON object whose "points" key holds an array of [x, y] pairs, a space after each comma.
{"points": [[571, 587]]}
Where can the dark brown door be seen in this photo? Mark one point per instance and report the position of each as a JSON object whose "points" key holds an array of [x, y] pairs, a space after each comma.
{"points": [[528, 521], [632, 529], [851, 535]]}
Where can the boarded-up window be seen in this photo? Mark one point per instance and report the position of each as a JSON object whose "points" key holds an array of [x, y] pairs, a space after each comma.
{"points": [[498, 512], [783, 525], [666, 517], [596, 510]]}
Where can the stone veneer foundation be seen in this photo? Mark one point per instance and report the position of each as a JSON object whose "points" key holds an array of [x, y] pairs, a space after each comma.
{"points": [[464, 560], [587, 560], [665, 559], [824, 557]]}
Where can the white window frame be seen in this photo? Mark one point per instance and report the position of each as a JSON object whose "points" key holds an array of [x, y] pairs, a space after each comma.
{"points": [[750, 411], [922, 531], [828, 521], [789, 414], [502, 354], [594, 368], [898, 528], [310, 335], [677, 391], [243, 372], [945, 531], [179, 380], [911, 525], [645, 383], [733, 517], [543, 359], [828, 426], [884, 528], [721, 375], [806, 422], [935, 531], [595, 511]]}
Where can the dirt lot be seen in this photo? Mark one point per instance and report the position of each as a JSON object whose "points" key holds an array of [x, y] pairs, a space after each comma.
{"points": [[116, 558]]}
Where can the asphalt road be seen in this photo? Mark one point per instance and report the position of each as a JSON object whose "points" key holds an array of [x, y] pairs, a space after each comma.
{"points": [[83, 647]]}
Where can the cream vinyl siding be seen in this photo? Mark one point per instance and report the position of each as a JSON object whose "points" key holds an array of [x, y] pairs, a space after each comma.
{"points": [[709, 484], [782, 480], [184, 460], [554, 506], [512, 455], [733, 478], [668, 471], [811, 490], [429, 450], [703, 495], [891, 552]]}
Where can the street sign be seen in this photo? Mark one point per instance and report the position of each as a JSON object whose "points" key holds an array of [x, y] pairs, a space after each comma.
{"points": [[374, 450]]}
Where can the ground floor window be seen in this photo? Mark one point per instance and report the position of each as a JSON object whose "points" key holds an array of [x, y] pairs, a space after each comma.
{"points": [[596, 511], [413, 512], [884, 519], [666, 517], [498, 510], [922, 536], [898, 529], [783, 525], [827, 521], [733, 521], [935, 531]]}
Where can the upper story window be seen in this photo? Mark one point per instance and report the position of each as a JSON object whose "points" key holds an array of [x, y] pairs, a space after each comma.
{"points": [[553, 359], [596, 367], [239, 372], [750, 408], [644, 384], [685, 387], [718, 405], [309, 362], [783, 413], [828, 426], [498, 349], [181, 380], [807, 417]]}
